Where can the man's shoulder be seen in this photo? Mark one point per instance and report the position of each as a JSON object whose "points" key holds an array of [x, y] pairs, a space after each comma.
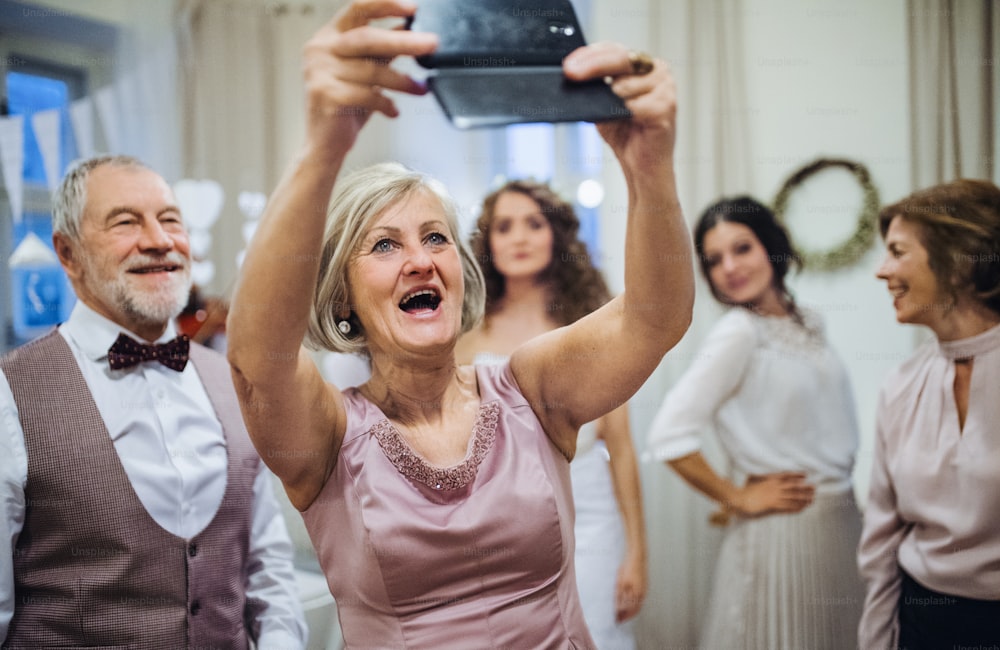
{"points": [[37, 349]]}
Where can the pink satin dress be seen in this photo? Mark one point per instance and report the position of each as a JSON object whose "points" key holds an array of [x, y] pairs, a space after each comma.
{"points": [[478, 555]]}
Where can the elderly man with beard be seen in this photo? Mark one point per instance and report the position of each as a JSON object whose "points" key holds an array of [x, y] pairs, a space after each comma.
{"points": [[134, 511]]}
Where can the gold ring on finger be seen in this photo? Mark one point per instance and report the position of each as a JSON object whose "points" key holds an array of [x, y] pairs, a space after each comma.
{"points": [[641, 62]]}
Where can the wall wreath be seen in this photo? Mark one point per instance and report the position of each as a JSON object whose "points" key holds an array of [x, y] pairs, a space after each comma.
{"points": [[851, 249]]}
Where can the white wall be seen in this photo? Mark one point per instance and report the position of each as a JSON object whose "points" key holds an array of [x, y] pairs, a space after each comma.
{"points": [[842, 94]]}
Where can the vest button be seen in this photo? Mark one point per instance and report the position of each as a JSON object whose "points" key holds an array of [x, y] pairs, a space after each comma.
{"points": [[195, 608], [193, 549]]}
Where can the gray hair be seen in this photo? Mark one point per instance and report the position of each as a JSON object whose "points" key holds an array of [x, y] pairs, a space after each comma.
{"points": [[358, 200], [70, 198]]}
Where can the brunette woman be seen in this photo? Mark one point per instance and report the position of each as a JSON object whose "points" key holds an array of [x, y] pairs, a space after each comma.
{"points": [[770, 386]]}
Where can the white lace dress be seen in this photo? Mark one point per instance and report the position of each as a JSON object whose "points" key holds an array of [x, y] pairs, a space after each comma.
{"points": [[779, 399]]}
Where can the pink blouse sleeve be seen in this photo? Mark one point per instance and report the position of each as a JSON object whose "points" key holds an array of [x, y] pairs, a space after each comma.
{"points": [[878, 551]]}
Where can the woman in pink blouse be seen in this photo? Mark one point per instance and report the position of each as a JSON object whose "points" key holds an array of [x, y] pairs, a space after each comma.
{"points": [[930, 551]]}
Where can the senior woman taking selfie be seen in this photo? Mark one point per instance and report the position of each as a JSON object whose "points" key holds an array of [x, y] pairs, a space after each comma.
{"points": [[437, 495]]}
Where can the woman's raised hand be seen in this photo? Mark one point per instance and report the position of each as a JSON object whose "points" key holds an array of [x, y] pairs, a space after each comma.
{"points": [[347, 66], [647, 139]]}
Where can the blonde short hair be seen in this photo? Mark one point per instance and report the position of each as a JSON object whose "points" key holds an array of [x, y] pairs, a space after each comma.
{"points": [[358, 200]]}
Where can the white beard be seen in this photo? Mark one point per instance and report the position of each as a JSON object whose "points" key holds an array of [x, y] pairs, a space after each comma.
{"points": [[150, 307], [153, 307]]}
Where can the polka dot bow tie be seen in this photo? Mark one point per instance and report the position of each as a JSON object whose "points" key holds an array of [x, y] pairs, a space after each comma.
{"points": [[127, 352]]}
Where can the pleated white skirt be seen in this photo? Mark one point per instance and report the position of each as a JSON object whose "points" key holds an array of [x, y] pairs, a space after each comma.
{"points": [[789, 581]]}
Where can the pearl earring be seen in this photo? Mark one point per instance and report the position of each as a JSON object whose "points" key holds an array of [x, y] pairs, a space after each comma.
{"points": [[345, 327]]}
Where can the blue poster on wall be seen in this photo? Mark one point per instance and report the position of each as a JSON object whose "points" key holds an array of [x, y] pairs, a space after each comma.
{"points": [[38, 288], [40, 294]]}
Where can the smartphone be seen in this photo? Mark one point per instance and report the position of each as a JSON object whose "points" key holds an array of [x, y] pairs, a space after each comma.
{"points": [[499, 62]]}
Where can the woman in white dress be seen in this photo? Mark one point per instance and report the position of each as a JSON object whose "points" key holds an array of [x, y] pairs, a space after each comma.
{"points": [[769, 385], [539, 277]]}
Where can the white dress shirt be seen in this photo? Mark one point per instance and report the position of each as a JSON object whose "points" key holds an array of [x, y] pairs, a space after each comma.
{"points": [[934, 501], [775, 393], [173, 450]]}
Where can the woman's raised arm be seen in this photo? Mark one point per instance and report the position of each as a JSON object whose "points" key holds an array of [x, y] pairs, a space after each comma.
{"points": [[296, 419], [578, 373]]}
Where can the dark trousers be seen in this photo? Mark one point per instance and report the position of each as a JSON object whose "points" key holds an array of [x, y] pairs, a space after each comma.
{"points": [[929, 620]]}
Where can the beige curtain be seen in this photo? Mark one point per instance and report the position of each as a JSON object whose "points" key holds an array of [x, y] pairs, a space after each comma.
{"points": [[954, 49], [242, 101], [146, 121], [703, 41]]}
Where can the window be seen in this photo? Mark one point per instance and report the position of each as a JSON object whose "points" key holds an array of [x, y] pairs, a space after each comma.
{"points": [[40, 293], [565, 156], [28, 94], [48, 58]]}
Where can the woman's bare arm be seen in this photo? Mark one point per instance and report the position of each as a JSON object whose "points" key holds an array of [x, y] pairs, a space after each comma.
{"points": [[614, 350], [632, 582], [295, 418]]}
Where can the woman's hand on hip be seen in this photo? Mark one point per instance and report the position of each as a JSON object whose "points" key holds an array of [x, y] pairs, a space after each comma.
{"points": [[772, 493]]}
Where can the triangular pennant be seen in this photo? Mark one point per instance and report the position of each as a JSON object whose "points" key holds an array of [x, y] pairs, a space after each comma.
{"points": [[32, 251], [46, 126], [127, 93], [81, 113], [12, 161], [107, 111]]}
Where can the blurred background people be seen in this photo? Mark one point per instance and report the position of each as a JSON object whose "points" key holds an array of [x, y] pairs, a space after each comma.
{"points": [[930, 552], [203, 319], [539, 277], [767, 382]]}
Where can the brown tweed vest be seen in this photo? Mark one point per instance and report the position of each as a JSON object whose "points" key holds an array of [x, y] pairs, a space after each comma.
{"points": [[91, 567]]}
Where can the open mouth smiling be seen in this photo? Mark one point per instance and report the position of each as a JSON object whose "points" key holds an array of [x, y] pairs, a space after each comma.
{"points": [[420, 300], [166, 268]]}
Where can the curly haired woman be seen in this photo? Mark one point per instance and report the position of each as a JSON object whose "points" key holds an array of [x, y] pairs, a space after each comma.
{"points": [[539, 277]]}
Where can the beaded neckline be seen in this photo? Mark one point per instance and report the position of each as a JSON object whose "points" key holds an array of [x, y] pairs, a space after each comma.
{"points": [[784, 331], [412, 466]]}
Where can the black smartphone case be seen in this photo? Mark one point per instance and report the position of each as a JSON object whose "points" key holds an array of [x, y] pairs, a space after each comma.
{"points": [[499, 62]]}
